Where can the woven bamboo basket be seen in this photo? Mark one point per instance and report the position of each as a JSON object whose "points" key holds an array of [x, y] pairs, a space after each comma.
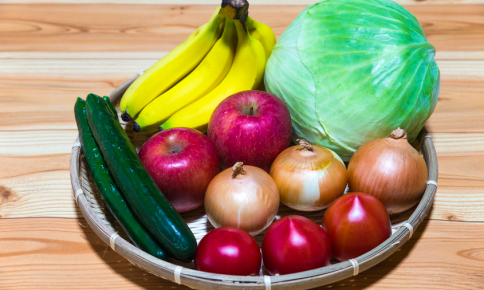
{"points": [[104, 225]]}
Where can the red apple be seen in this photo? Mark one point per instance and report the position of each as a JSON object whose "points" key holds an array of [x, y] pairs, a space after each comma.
{"points": [[182, 162], [252, 127]]}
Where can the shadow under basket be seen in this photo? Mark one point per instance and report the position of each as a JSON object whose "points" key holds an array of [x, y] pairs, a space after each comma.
{"points": [[102, 223]]}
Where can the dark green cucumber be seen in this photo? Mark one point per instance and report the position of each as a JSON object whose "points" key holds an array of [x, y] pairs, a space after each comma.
{"points": [[110, 105], [111, 108], [139, 189], [113, 198]]}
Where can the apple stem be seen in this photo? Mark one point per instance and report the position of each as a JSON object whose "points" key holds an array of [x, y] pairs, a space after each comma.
{"points": [[237, 169], [305, 145], [251, 111]]}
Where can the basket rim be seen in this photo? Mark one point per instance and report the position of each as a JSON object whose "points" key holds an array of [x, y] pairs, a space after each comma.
{"points": [[300, 280]]}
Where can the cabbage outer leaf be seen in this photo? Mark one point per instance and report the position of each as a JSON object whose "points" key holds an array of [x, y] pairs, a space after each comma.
{"points": [[351, 71]]}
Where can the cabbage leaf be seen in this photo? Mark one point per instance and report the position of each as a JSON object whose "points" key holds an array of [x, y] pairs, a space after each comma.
{"points": [[351, 71]]}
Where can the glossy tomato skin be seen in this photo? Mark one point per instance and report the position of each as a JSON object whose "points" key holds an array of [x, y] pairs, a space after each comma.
{"points": [[229, 251], [294, 244], [356, 223]]}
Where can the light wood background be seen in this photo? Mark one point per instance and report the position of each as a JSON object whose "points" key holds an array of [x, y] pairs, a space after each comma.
{"points": [[51, 53]]}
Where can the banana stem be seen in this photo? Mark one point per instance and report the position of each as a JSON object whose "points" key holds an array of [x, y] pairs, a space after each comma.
{"points": [[250, 23], [236, 9], [242, 34], [218, 19]]}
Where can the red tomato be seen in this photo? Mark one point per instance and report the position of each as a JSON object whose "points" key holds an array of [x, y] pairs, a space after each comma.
{"points": [[356, 223], [294, 244], [228, 251]]}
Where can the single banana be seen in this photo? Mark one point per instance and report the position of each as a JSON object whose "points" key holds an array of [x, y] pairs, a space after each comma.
{"points": [[263, 33], [246, 73], [171, 68], [204, 78]]}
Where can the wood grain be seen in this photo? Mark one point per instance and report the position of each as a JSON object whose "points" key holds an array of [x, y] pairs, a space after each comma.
{"points": [[441, 55], [215, 2], [40, 194], [35, 252], [83, 27], [460, 104]]}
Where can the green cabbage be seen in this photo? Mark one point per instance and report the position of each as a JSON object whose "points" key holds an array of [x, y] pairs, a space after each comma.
{"points": [[351, 71]]}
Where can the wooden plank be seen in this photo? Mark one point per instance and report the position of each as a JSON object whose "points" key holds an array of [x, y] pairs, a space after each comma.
{"points": [[37, 143], [40, 94], [460, 107], [121, 55], [45, 193], [98, 27], [84, 27], [63, 254], [51, 86], [461, 176], [34, 170], [34, 173], [215, 2], [154, 55], [90, 69], [461, 166]]}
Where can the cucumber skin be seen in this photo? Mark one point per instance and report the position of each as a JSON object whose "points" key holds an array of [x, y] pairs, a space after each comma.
{"points": [[111, 108], [114, 200], [142, 194], [110, 105]]}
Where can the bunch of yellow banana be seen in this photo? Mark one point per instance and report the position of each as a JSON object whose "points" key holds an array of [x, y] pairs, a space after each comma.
{"points": [[222, 57]]}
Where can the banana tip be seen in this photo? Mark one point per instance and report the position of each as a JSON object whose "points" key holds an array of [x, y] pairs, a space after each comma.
{"points": [[160, 128], [126, 117], [136, 127]]}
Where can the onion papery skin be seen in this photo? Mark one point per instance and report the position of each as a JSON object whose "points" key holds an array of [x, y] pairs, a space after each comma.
{"points": [[356, 223], [249, 201], [309, 180], [390, 170]]}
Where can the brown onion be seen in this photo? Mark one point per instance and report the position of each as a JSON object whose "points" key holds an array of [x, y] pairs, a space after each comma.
{"points": [[243, 197], [391, 170], [309, 177]]}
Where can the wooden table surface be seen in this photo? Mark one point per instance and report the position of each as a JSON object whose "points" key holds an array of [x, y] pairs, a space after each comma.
{"points": [[51, 53]]}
